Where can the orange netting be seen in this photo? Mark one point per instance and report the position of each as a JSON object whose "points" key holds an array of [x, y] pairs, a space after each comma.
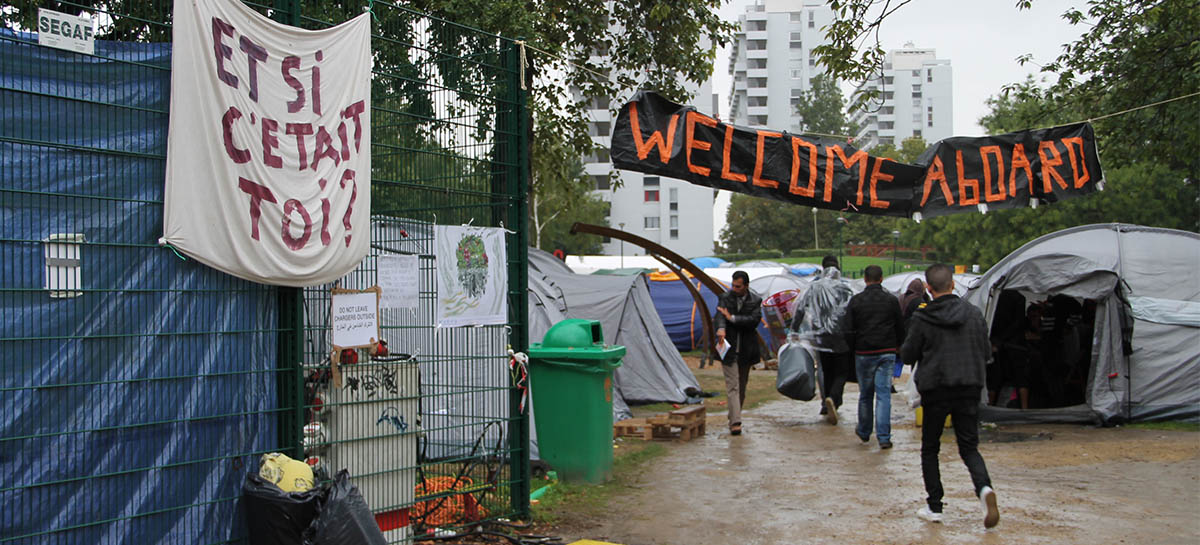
{"points": [[448, 510]]}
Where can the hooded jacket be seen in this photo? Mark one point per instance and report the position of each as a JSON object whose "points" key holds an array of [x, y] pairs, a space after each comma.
{"points": [[948, 339]]}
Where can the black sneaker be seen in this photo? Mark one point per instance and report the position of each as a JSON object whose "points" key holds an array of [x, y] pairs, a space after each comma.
{"points": [[885, 446]]}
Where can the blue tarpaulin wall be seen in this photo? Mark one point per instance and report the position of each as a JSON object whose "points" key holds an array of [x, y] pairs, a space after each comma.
{"points": [[132, 411]]}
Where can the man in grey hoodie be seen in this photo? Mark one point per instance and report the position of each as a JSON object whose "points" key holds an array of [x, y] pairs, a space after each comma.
{"points": [[948, 340]]}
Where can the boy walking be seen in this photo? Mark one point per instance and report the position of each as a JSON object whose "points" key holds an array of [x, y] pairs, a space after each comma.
{"points": [[948, 340]]}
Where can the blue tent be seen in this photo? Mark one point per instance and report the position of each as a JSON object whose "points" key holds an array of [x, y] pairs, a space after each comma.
{"points": [[707, 262], [679, 312]]}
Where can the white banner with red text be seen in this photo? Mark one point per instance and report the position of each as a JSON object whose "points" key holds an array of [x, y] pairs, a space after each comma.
{"points": [[269, 147]]}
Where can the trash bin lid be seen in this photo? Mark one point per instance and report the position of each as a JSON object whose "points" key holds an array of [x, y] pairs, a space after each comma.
{"points": [[576, 339]]}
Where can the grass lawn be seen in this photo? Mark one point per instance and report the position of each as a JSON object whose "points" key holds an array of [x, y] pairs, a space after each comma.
{"points": [[854, 265]]}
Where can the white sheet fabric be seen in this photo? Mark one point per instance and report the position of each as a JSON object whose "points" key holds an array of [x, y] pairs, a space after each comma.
{"points": [[269, 149], [472, 275]]}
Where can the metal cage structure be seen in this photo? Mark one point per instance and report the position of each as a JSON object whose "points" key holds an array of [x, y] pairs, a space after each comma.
{"points": [[139, 388]]}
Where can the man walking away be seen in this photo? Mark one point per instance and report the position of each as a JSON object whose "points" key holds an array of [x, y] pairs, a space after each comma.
{"points": [[817, 317], [874, 328], [738, 313], [948, 340]]}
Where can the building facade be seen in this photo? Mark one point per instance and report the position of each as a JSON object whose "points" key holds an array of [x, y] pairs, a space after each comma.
{"points": [[916, 99], [772, 62]]}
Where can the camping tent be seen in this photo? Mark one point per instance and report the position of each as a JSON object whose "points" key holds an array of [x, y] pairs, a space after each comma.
{"points": [[724, 275], [766, 286], [705, 262], [1145, 355], [652, 370], [897, 283], [679, 312]]}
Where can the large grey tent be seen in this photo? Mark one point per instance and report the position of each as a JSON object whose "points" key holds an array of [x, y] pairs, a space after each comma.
{"points": [[652, 370], [1145, 355]]}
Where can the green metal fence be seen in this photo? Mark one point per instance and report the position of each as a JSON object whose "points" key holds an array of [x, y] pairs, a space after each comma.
{"points": [[139, 388]]}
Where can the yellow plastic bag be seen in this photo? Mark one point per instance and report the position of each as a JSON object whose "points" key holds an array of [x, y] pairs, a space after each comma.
{"points": [[288, 474]]}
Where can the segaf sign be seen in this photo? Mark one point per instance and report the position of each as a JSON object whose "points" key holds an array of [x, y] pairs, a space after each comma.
{"points": [[63, 31]]}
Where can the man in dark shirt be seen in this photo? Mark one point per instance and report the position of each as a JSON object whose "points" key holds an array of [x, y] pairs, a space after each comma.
{"points": [[739, 312], [948, 340], [874, 328]]}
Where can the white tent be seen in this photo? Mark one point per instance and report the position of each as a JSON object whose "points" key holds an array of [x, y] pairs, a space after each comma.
{"points": [[724, 275], [897, 283], [1145, 355], [766, 286], [588, 264]]}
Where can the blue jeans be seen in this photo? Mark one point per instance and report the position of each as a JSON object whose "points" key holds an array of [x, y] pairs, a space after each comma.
{"points": [[875, 391]]}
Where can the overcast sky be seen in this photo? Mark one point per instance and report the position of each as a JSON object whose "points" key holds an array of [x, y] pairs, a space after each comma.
{"points": [[982, 40]]}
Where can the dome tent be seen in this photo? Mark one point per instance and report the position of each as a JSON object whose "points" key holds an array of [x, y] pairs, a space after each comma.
{"points": [[1145, 349]]}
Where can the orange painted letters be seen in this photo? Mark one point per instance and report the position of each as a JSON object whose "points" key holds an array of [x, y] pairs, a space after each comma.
{"points": [[811, 190], [725, 172], [692, 119], [1079, 172], [1048, 164], [877, 176], [656, 139], [984, 152], [759, 149], [859, 158], [937, 173], [1019, 162], [966, 183]]}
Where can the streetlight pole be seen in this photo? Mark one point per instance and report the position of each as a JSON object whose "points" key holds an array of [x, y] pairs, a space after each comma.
{"points": [[622, 225], [895, 245], [816, 237]]}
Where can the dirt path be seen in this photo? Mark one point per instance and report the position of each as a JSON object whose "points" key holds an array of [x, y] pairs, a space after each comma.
{"points": [[792, 478]]}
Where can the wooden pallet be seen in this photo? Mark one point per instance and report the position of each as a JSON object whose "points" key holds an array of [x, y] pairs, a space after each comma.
{"points": [[680, 425]]}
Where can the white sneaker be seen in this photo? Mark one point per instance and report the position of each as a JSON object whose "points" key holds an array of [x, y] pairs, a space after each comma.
{"points": [[991, 513], [925, 514]]}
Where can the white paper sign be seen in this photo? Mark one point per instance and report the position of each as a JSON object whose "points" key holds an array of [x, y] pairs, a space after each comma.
{"points": [[268, 154], [63, 31], [472, 276], [400, 279], [355, 319]]}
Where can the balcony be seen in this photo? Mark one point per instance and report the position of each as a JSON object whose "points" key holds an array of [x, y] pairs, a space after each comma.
{"points": [[757, 111], [757, 35], [756, 54], [757, 73]]}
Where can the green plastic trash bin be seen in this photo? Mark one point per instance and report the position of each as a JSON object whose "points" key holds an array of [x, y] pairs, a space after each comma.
{"points": [[570, 374]]}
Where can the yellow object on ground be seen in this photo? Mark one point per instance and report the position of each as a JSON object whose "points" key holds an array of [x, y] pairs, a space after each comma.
{"points": [[288, 474], [591, 542], [920, 414]]}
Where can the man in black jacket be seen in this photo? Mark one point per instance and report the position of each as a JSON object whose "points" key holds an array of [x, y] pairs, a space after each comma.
{"points": [[738, 313], [948, 340], [874, 328]]}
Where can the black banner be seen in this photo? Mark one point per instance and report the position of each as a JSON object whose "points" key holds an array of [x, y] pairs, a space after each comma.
{"points": [[961, 174]]}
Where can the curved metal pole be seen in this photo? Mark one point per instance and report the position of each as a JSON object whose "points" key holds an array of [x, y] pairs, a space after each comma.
{"points": [[707, 333], [663, 252], [654, 248]]}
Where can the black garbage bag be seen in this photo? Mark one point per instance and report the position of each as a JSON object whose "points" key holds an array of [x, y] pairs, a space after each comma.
{"points": [[797, 377], [275, 517], [343, 517]]}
